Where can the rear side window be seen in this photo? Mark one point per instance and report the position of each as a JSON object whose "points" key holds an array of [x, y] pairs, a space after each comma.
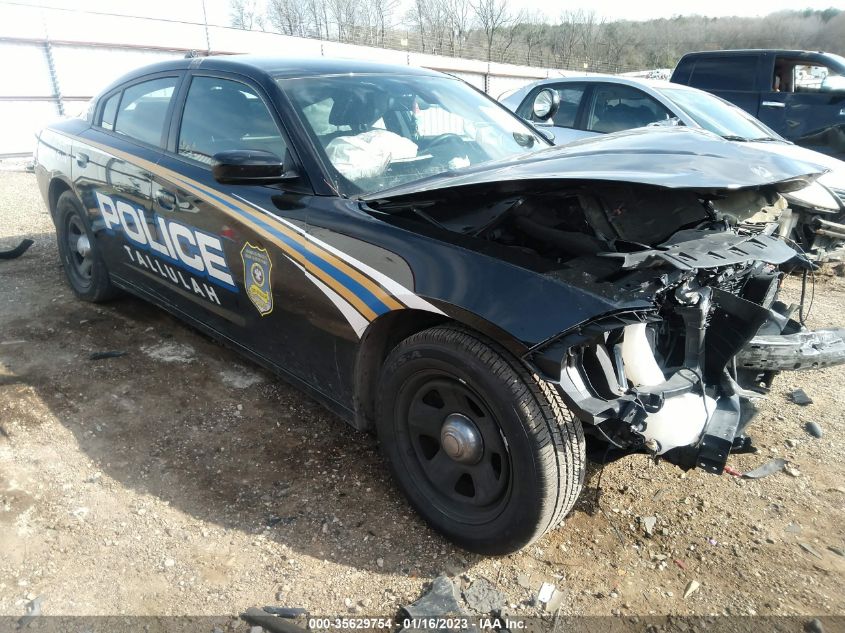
{"points": [[143, 109], [109, 111], [615, 108], [221, 115], [725, 73]]}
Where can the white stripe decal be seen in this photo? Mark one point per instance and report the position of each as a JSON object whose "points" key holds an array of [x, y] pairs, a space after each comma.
{"points": [[398, 290], [358, 322]]}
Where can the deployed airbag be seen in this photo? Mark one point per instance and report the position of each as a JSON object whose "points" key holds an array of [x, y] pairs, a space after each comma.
{"points": [[368, 154]]}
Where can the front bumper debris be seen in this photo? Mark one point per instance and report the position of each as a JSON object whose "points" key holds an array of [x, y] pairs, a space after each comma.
{"points": [[788, 352]]}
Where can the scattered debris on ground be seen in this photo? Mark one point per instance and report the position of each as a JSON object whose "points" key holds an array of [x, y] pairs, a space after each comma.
{"points": [[770, 467], [800, 397]]}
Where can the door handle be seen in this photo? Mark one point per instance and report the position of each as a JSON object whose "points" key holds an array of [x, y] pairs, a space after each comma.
{"points": [[165, 199], [773, 104], [82, 159]]}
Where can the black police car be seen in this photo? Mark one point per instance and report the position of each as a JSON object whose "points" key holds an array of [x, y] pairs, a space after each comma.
{"points": [[420, 260]]}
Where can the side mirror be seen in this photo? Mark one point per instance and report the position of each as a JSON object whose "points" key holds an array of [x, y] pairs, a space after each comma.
{"points": [[546, 104], [247, 167]]}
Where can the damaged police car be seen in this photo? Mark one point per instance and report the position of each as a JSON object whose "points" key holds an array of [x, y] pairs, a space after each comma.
{"points": [[425, 264]]}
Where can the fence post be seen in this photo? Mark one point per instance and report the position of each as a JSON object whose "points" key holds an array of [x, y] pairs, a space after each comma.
{"points": [[54, 79]]}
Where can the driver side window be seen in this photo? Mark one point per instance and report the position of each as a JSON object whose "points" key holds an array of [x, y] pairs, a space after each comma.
{"points": [[220, 115]]}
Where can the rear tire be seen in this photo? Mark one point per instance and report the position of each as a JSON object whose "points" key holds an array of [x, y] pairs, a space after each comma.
{"points": [[79, 252], [484, 450]]}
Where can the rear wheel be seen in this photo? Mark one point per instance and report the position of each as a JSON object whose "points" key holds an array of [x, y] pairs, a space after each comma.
{"points": [[484, 450], [82, 261]]}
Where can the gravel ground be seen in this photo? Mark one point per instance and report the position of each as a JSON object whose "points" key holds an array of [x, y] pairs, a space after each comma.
{"points": [[180, 479]]}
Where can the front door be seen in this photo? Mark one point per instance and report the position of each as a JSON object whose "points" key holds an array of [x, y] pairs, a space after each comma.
{"points": [[244, 242], [812, 113]]}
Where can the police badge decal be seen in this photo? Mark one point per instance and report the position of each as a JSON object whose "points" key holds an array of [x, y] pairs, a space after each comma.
{"points": [[257, 267]]}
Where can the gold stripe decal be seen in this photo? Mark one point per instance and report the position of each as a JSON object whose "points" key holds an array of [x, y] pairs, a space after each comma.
{"points": [[368, 291]]}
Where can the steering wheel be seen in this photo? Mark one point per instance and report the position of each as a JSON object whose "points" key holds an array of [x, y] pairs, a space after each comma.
{"points": [[442, 139]]}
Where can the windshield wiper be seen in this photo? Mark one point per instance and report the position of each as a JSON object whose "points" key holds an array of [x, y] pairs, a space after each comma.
{"points": [[745, 139]]}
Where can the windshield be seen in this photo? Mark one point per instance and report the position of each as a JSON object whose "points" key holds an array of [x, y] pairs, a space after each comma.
{"points": [[717, 116], [380, 131]]}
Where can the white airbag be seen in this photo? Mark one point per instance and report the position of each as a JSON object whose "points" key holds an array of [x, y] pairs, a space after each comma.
{"points": [[368, 154]]}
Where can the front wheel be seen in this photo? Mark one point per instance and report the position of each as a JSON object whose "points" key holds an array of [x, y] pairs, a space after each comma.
{"points": [[484, 450]]}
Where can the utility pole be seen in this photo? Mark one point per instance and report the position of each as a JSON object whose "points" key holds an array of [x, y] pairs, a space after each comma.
{"points": [[205, 22]]}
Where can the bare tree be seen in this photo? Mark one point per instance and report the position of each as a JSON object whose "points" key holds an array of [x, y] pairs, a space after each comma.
{"points": [[380, 19], [431, 20], [506, 37], [459, 17], [486, 28], [493, 16], [289, 17], [344, 16], [318, 18], [246, 14], [531, 33]]}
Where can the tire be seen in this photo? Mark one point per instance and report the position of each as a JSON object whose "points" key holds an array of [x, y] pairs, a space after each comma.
{"points": [[509, 461], [79, 252]]}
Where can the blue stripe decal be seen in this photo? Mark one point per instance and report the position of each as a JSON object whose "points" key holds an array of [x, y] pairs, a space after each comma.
{"points": [[373, 302]]}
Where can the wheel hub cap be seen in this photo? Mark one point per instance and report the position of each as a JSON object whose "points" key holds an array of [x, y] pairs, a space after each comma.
{"points": [[461, 440], [83, 246]]}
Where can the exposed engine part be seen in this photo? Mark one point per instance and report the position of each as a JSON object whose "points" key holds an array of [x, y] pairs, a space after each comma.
{"points": [[751, 207], [681, 419]]}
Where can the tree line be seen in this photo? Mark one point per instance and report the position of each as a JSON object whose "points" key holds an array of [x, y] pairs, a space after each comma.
{"points": [[577, 39]]}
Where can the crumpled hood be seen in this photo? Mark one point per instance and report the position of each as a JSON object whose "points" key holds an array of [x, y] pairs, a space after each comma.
{"points": [[676, 158], [833, 179]]}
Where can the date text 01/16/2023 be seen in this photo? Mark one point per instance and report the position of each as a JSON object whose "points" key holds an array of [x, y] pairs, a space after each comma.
{"points": [[433, 623]]}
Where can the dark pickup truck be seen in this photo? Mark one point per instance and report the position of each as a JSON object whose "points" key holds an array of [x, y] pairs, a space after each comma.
{"points": [[799, 94]]}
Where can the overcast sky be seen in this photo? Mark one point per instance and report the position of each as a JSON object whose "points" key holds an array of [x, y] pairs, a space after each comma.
{"points": [[218, 10]]}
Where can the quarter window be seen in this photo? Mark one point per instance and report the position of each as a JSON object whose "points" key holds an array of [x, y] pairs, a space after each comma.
{"points": [[615, 108], [110, 111], [725, 73], [143, 110], [222, 115]]}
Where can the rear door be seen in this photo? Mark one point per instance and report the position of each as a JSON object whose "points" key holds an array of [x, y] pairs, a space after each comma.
{"points": [[111, 169], [564, 124], [812, 94]]}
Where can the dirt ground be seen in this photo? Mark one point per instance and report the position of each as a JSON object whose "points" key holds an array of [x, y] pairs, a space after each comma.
{"points": [[181, 479]]}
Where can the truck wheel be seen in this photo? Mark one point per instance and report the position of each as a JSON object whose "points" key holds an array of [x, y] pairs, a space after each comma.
{"points": [[83, 263], [484, 450]]}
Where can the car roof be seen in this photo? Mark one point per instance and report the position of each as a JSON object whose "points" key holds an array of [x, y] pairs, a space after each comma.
{"points": [[638, 82], [754, 51], [276, 66]]}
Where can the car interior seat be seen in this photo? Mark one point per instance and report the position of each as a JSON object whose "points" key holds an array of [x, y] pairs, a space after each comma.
{"points": [[357, 110]]}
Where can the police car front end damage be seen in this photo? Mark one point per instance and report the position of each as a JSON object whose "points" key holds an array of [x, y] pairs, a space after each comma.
{"points": [[664, 378]]}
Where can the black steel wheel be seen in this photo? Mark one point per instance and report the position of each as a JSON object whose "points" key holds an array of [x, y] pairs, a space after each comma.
{"points": [[484, 450], [83, 263]]}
